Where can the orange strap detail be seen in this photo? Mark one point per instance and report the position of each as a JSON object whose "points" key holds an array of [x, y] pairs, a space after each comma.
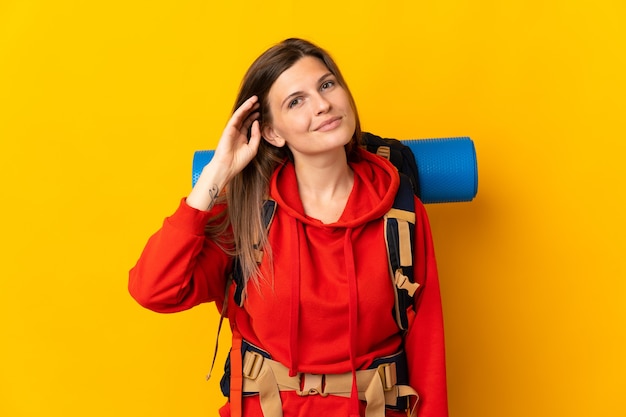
{"points": [[236, 376]]}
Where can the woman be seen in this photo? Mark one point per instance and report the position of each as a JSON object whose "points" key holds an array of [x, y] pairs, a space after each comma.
{"points": [[313, 332]]}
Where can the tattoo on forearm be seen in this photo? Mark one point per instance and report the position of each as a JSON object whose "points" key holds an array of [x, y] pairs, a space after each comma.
{"points": [[214, 191]]}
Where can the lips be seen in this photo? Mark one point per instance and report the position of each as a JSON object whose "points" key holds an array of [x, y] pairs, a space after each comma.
{"points": [[329, 124]]}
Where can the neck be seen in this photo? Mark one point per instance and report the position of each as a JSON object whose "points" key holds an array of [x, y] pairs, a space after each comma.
{"points": [[324, 178], [324, 185]]}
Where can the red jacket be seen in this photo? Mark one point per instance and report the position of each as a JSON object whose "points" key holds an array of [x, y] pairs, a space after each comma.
{"points": [[329, 307]]}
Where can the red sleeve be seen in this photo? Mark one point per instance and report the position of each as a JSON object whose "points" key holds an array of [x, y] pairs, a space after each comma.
{"points": [[179, 267], [424, 342]]}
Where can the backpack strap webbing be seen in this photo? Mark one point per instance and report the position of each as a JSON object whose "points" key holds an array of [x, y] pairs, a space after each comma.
{"points": [[236, 375], [399, 232]]}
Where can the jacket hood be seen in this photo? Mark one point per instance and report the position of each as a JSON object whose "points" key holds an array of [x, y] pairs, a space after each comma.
{"points": [[376, 182]]}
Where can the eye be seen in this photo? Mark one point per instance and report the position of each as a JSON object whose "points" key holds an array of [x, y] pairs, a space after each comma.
{"points": [[327, 84], [293, 103]]}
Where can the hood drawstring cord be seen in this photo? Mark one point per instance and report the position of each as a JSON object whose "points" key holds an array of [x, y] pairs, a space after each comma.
{"points": [[353, 317], [295, 295]]}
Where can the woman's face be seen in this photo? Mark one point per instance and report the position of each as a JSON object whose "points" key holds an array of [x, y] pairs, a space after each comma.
{"points": [[310, 112]]}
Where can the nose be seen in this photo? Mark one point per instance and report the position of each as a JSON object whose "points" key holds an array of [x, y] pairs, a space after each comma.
{"points": [[322, 105]]}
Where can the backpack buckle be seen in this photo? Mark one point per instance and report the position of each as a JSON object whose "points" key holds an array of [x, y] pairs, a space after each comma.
{"points": [[252, 364], [403, 282], [387, 374], [313, 385]]}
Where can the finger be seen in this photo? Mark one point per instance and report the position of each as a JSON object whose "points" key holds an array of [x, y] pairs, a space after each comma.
{"points": [[244, 110], [248, 122], [255, 135], [245, 120]]}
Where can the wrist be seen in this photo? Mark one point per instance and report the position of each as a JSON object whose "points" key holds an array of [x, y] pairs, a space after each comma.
{"points": [[210, 183]]}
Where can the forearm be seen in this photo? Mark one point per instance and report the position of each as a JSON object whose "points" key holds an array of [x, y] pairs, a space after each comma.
{"points": [[210, 183], [179, 267]]}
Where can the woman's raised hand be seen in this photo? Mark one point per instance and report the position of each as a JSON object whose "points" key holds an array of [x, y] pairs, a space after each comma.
{"points": [[234, 151]]}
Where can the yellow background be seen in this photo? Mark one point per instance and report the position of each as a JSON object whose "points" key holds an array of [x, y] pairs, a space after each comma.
{"points": [[102, 104]]}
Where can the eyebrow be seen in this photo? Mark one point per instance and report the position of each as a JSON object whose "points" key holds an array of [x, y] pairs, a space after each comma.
{"points": [[296, 93]]}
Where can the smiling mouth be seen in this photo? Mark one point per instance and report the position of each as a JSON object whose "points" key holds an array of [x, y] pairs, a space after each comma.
{"points": [[329, 124]]}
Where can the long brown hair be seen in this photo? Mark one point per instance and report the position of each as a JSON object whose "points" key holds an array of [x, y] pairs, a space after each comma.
{"points": [[247, 190]]}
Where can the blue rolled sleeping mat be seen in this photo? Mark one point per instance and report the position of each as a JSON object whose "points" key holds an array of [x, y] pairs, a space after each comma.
{"points": [[447, 168]]}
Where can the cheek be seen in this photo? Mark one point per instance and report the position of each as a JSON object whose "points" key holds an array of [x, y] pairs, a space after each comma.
{"points": [[349, 110], [295, 122], [347, 105]]}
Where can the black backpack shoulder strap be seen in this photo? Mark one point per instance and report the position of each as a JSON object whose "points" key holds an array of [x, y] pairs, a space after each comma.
{"points": [[399, 154], [267, 215], [399, 232]]}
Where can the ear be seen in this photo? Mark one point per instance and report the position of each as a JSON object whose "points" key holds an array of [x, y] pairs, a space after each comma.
{"points": [[270, 135]]}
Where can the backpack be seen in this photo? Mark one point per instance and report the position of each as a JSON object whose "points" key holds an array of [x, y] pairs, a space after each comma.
{"points": [[398, 230]]}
